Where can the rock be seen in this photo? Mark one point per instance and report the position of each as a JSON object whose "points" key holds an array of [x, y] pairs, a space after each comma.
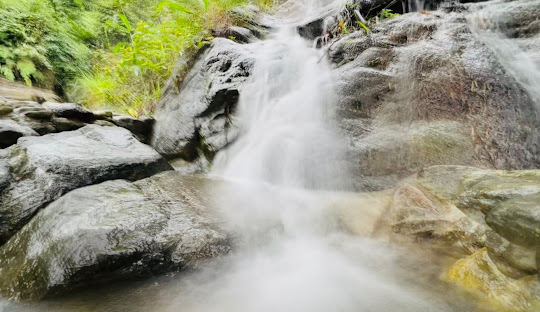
{"points": [[518, 220], [21, 92], [112, 230], [141, 128], [393, 151], [509, 200], [311, 30], [64, 124], [205, 99], [4, 175], [70, 111], [5, 110], [424, 210], [428, 75], [103, 115], [237, 34], [32, 115], [480, 275], [10, 132], [44, 168]]}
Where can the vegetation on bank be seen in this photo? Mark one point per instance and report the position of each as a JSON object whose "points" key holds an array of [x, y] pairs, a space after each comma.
{"points": [[113, 53]]}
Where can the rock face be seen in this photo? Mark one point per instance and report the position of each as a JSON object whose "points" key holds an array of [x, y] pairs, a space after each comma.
{"points": [[41, 169], [115, 229], [195, 116], [422, 89]]}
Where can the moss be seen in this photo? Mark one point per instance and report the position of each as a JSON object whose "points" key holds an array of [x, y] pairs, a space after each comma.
{"points": [[479, 275]]}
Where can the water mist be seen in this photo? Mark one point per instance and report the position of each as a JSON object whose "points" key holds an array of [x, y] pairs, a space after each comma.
{"points": [[292, 254]]}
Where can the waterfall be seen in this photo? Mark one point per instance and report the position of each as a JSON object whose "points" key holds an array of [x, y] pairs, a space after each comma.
{"points": [[292, 253]]}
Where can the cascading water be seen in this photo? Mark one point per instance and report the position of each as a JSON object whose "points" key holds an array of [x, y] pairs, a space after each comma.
{"points": [[519, 60], [292, 254]]}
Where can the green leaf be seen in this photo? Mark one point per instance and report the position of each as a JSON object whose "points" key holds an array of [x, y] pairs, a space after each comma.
{"points": [[126, 22], [7, 72], [26, 68], [119, 46], [363, 26]]}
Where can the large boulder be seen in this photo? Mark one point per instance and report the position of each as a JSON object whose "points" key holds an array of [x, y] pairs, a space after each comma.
{"points": [[41, 169], [195, 115], [116, 229], [423, 89]]}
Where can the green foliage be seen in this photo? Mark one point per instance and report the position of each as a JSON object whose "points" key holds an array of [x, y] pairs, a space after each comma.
{"points": [[387, 14], [132, 74], [114, 53], [364, 26]]}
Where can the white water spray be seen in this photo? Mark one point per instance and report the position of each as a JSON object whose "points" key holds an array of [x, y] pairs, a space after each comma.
{"points": [[524, 66], [293, 255]]}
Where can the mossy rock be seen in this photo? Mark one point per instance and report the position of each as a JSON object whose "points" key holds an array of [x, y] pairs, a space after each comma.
{"points": [[480, 275]]}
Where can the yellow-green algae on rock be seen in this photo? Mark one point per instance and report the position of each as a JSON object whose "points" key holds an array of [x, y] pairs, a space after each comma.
{"points": [[479, 275]]}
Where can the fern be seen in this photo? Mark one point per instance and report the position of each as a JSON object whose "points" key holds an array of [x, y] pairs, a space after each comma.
{"points": [[26, 69]]}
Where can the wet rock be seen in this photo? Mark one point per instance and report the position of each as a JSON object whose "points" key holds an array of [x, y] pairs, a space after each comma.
{"points": [[388, 153], [480, 275], [44, 168], [428, 209], [70, 111], [509, 200], [237, 34], [430, 72], [311, 30], [205, 99], [37, 113], [10, 132], [113, 230], [518, 219]]}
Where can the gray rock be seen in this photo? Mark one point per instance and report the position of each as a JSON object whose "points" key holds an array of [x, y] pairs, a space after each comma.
{"points": [[141, 128], [312, 29], [44, 168], [205, 99], [426, 81], [115, 229], [10, 132], [70, 111], [64, 124], [238, 34]]}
